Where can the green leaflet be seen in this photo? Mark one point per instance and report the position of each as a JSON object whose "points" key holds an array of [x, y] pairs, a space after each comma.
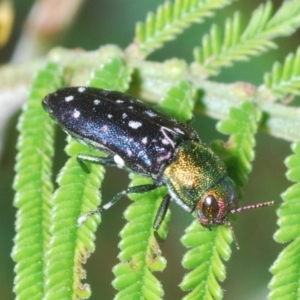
{"points": [[171, 19], [221, 50], [77, 194], [204, 258], [71, 243], [179, 101], [285, 270], [207, 267], [112, 76], [140, 253], [284, 79], [33, 186], [239, 151]]}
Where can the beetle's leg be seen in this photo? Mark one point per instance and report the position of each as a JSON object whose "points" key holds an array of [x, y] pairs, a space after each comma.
{"points": [[139, 189], [160, 215], [131, 190], [104, 161]]}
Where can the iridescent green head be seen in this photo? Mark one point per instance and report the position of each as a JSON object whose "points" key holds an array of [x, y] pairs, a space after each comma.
{"points": [[215, 204], [197, 180]]}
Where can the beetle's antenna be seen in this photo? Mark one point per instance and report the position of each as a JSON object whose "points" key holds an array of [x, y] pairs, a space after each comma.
{"points": [[233, 235], [253, 206], [240, 209]]}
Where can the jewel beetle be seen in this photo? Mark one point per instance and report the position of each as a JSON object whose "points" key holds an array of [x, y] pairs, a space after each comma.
{"points": [[140, 139]]}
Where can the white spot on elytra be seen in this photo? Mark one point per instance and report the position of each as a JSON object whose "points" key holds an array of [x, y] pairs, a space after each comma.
{"points": [[96, 101], [134, 124], [178, 130], [81, 89], [130, 107], [150, 113], [104, 128], [165, 141], [109, 116], [76, 113], [69, 98], [128, 151], [124, 115], [119, 161], [119, 101], [145, 140]]}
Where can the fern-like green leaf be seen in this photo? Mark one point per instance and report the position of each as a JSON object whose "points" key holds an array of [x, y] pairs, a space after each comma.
{"points": [[289, 223], [33, 186], [285, 21], [140, 254], [285, 79], [213, 246], [179, 101], [171, 19], [208, 248], [285, 282], [70, 243], [77, 194], [114, 75], [285, 270], [239, 151], [236, 45]]}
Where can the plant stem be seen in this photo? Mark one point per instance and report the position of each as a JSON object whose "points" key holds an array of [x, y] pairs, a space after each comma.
{"points": [[152, 80]]}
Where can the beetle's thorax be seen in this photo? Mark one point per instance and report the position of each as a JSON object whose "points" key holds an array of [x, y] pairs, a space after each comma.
{"points": [[194, 170]]}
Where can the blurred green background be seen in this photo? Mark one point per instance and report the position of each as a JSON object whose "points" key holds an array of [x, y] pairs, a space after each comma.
{"points": [[102, 22]]}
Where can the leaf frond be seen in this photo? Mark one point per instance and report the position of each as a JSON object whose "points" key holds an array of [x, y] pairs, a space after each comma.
{"points": [[259, 20], [285, 282], [171, 19], [285, 21], [285, 79], [289, 226], [78, 193], [112, 76], [285, 270], [33, 186], [204, 258], [179, 101], [217, 52], [70, 243], [208, 268], [239, 150], [140, 253]]}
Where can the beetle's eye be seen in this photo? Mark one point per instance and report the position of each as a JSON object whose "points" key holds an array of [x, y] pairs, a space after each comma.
{"points": [[210, 207]]}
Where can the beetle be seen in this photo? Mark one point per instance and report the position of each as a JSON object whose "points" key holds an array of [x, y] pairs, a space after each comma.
{"points": [[140, 139]]}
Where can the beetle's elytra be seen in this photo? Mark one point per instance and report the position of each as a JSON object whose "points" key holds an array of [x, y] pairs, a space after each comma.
{"points": [[140, 139]]}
